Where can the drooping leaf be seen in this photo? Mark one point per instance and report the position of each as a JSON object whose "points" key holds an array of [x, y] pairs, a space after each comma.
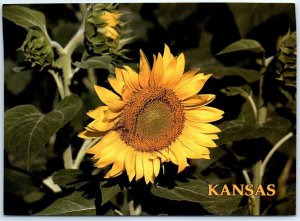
{"points": [[15, 82], [108, 192], [220, 71], [74, 204], [243, 45], [197, 191], [25, 17], [244, 91], [236, 130], [26, 130], [68, 178], [95, 62]]}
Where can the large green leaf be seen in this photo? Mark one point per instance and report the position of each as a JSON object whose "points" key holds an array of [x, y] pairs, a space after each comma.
{"points": [[219, 72], [95, 62], [243, 45], [69, 178], [26, 130], [236, 130], [74, 204], [25, 17], [108, 192], [197, 191]]}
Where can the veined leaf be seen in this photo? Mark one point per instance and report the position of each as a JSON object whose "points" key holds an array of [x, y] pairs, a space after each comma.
{"points": [[74, 204], [69, 178], [236, 130], [95, 62], [248, 45], [25, 17], [221, 71], [108, 192], [197, 191], [26, 130]]}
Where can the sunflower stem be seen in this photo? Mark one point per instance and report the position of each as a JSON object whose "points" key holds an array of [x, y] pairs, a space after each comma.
{"points": [[80, 156], [134, 210], [261, 119]]}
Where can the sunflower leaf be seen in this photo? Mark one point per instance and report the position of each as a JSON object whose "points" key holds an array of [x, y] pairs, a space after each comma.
{"points": [[108, 192], [221, 71], [26, 130], [69, 178], [25, 17], [74, 204], [197, 191], [236, 130], [243, 45], [95, 62]]}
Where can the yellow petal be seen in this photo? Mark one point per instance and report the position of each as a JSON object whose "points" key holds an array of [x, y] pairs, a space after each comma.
{"points": [[156, 166], [139, 166], [176, 81], [203, 127], [112, 100], [119, 163], [199, 138], [86, 134], [97, 113], [164, 155], [191, 87], [168, 75], [110, 115], [178, 150], [145, 71], [158, 70], [198, 100], [107, 140], [167, 56], [119, 74], [204, 114], [148, 168], [131, 78], [130, 164], [180, 64], [103, 124], [116, 84], [193, 146], [111, 152]]}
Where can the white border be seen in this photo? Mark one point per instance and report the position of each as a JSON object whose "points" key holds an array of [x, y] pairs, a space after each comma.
{"points": [[167, 218]]}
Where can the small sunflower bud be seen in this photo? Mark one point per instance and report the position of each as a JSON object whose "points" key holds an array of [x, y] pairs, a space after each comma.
{"points": [[287, 54], [103, 29], [37, 49]]}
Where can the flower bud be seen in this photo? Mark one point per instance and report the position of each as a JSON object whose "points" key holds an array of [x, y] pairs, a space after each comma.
{"points": [[37, 49]]}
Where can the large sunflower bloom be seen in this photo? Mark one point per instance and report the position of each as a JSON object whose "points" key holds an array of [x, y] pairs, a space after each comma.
{"points": [[156, 117]]}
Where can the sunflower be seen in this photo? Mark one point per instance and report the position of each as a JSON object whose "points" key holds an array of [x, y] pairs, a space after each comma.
{"points": [[155, 116]]}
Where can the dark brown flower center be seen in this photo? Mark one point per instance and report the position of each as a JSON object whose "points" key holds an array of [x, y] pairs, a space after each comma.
{"points": [[152, 119]]}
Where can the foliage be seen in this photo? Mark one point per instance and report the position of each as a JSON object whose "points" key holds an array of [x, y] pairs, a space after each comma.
{"points": [[54, 54]]}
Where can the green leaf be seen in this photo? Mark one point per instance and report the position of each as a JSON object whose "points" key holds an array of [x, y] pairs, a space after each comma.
{"points": [[74, 204], [243, 45], [220, 71], [244, 91], [26, 130], [25, 17], [68, 178], [236, 130], [15, 82], [108, 192], [95, 62], [197, 191]]}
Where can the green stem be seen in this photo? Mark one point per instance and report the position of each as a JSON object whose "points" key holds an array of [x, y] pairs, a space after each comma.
{"points": [[273, 150], [257, 176], [86, 145]]}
